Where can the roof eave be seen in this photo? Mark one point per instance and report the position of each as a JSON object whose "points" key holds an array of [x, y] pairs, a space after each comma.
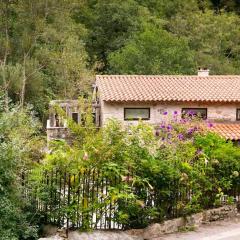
{"points": [[168, 101]]}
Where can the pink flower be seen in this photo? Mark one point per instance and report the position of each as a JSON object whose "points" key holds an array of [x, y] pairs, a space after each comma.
{"points": [[85, 156], [199, 152], [183, 121]]}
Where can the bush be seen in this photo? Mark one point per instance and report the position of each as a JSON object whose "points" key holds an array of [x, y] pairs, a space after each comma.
{"points": [[17, 131], [175, 170]]}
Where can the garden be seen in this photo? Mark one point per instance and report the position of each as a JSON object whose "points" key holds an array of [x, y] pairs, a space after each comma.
{"points": [[120, 177], [113, 177], [116, 177]]}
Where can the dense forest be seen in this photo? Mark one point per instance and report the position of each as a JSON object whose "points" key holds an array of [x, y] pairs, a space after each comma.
{"points": [[51, 49]]}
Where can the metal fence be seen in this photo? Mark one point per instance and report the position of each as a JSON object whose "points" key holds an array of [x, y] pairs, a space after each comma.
{"points": [[89, 199], [82, 200]]}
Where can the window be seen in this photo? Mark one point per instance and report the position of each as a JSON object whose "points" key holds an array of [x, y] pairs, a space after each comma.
{"points": [[75, 117], [198, 112], [136, 113], [238, 114]]}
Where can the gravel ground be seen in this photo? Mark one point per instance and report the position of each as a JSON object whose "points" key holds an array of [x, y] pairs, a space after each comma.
{"points": [[96, 235], [221, 230]]}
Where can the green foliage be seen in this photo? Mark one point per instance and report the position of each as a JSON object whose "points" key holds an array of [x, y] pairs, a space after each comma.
{"points": [[222, 161], [168, 9], [50, 50], [226, 5], [44, 56], [212, 38], [17, 136], [184, 155], [153, 51], [110, 24]]}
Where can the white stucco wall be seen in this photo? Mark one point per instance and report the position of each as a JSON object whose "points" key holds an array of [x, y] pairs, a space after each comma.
{"points": [[215, 111]]}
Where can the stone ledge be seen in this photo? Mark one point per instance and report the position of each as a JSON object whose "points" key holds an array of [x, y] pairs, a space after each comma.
{"points": [[193, 221], [154, 231]]}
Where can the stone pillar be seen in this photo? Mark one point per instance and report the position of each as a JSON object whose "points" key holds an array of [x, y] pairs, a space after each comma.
{"points": [[52, 117]]}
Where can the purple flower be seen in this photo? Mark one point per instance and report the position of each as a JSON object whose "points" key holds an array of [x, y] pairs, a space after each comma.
{"points": [[175, 112], [210, 125], [183, 121], [163, 138], [180, 136], [190, 131], [169, 127], [165, 113], [190, 112], [162, 126]]}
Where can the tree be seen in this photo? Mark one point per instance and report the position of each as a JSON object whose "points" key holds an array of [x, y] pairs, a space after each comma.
{"points": [[168, 9], [68, 75], [214, 38], [6, 10], [110, 24], [153, 51], [226, 5], [42, 56]]}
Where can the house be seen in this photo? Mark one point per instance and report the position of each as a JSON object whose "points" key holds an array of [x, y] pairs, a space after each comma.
{"points": [[129, 98]]}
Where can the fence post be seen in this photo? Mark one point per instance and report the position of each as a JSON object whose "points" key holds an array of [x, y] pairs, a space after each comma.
{"points": [[68, 201]]}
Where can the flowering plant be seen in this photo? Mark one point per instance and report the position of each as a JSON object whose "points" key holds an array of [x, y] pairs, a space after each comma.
{"points": [[173, 169]]}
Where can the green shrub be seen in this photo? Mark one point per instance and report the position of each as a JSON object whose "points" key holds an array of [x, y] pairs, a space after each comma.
{"points": [[176, 170], [17, 131]]}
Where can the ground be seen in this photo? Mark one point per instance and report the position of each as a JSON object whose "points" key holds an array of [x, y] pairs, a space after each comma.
{"points": [[221, 230]]}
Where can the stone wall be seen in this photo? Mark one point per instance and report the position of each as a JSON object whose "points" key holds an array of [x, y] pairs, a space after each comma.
{"points": [[158, 229], [154, 231], [57, 133], [215, 111]]}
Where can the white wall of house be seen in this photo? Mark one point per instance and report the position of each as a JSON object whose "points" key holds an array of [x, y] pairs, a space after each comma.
{"points": [[215, 111]]}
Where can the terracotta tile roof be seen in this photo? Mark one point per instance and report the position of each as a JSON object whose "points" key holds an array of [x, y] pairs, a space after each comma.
{"points": [[146, 88], [229, 131]]}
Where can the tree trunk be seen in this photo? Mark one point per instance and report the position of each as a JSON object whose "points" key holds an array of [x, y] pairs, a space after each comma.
{"points": [[24, 80], [46, 9], [4, 65], [5, 85]]}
